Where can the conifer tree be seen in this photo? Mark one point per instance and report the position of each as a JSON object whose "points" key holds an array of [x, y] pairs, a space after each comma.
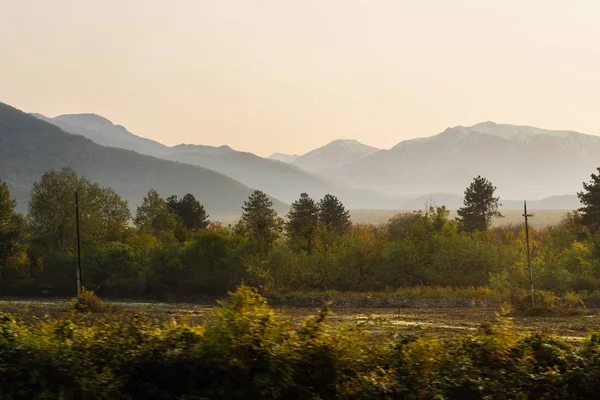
{"points": [[260, 221], [302, 221], [590, 198], [190, 211], [333, 215], [480, 206]]}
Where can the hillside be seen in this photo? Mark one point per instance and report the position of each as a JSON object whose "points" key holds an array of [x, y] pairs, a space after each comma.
{"points": [[29, 147], [283, 181], [523, 162]]}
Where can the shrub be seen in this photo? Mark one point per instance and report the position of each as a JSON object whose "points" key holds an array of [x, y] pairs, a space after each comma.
{"points": [[546, 304], [87, 301]]}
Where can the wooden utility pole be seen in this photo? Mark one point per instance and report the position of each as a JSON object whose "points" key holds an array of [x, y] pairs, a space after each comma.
{"points": [[79, 270], [528, 251]]}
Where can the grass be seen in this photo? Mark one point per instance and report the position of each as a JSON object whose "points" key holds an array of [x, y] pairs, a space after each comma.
{"points": [[414, 292], [406, 321], [541, 218]]}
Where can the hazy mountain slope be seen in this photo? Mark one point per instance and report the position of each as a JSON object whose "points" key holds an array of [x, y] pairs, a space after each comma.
{"points": [[523, 162], [104, 132], [283, 181], [286, 158], [29, 147], [334, 155]]}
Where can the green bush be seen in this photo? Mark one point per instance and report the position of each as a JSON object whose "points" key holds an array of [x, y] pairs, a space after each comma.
{"points": [[87, 301], [546, 304], [249, 352]]}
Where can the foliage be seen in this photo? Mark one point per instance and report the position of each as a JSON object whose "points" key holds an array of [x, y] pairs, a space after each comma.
{"points": [[103, 214], [333, 215], [168, 258], [13, 247], [303, 219], [480, 206], [546, 304], [87, 301], [248, 351], [153, 215], [190, 211], [259, 222], [590, 198]]}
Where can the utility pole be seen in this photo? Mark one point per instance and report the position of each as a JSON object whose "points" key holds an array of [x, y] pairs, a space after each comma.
{"points": [[79, 270], [528, 251]]}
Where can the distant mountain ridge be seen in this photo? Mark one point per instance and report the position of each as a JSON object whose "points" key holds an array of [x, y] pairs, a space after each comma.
{"points": [[29, 147], [286, 158], [523, 162], [335, 154], [283, 181]]}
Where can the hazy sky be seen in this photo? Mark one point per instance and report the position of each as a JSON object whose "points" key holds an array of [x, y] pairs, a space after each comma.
{"points": [[288, 76]]}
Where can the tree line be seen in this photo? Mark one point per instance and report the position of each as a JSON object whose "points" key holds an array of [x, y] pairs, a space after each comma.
{"points": [[170, 248]]}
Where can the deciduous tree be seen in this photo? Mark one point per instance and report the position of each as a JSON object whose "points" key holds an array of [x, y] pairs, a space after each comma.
{"points": [[153, 215], [103, 213]]}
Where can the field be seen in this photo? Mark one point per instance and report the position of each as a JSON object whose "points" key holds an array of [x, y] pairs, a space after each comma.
{"points": [[434, 322], [540, 219]]}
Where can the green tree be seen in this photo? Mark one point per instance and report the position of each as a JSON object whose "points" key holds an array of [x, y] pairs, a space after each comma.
{"points": [[480, 206], [190, 211], [303, 219], [333, 215], [153, 215], [260, 222], [12, 236], [104, 215], [590, 198]]}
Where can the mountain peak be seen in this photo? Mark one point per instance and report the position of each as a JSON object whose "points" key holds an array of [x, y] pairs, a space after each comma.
{"points": [[286, 158], [86, 118], [334, 154]]}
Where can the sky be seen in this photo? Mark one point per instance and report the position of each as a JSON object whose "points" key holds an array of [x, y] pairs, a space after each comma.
{"points": [[288, 76]]}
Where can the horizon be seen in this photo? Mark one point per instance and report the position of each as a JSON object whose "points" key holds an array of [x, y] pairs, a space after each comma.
{"points": [[252, 76], [299, 154]]}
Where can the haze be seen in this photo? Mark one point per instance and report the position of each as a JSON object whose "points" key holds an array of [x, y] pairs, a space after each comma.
{"points": [[267, 76]]}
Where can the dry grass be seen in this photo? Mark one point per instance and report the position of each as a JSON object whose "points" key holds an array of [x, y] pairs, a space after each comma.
{"points": [[404, 321], [541, 218]]}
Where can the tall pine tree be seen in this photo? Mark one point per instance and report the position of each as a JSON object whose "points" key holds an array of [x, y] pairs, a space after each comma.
{"points": [[303, 219], [590, 198], [190, 211], [480, 206], [260, 221], [333, 215]]}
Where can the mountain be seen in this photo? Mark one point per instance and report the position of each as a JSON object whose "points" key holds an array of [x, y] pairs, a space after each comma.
{"points": [[281, 180], [334, 155], [29, 147], [286, 158], [523, 162], [454, 202]]}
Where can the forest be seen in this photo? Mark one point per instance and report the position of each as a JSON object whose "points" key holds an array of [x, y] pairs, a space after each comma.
{"points": [[168, 249]]}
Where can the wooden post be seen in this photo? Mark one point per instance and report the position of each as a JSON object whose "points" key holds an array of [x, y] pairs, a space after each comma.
{"points": [[528, 251], [79, 269]]}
